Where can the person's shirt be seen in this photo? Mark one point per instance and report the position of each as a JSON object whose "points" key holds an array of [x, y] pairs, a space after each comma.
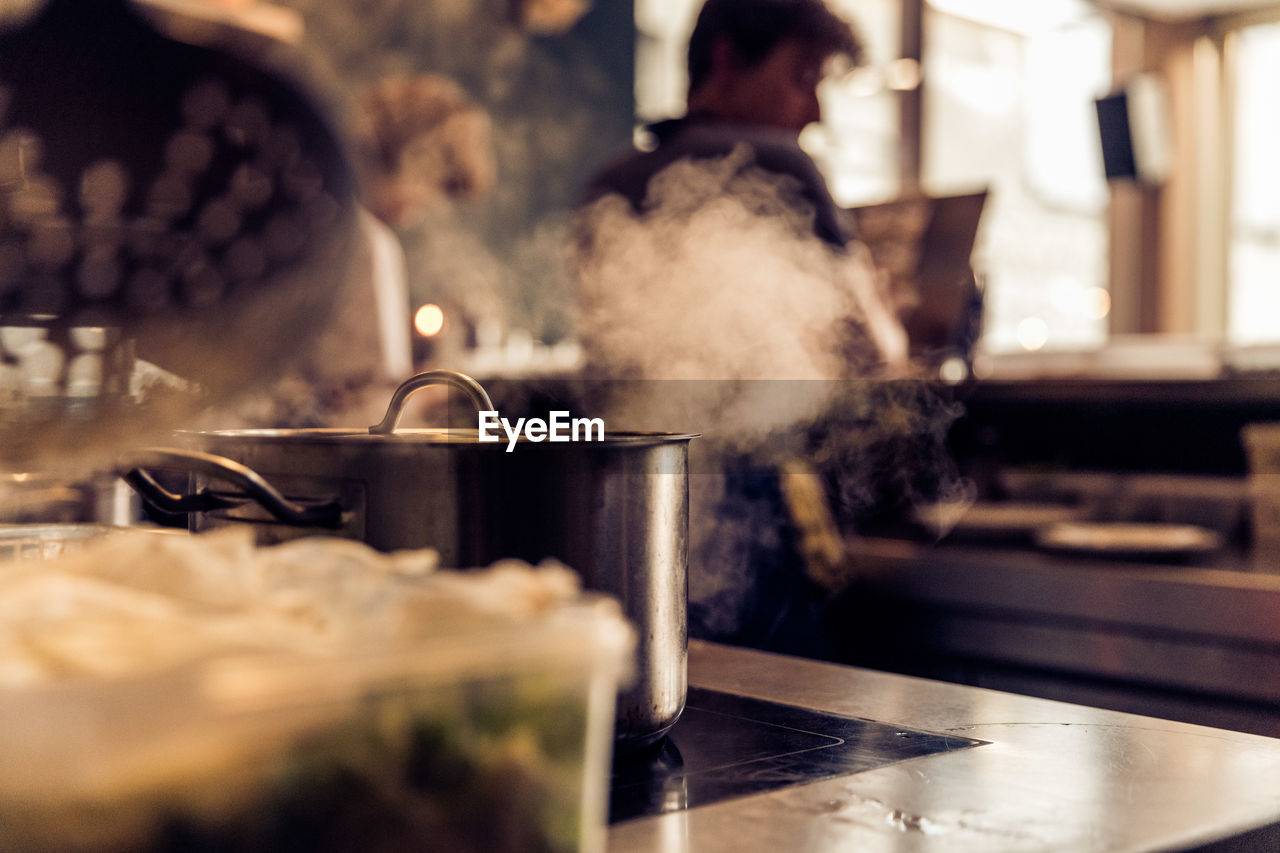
{"points": [[775, 151]]}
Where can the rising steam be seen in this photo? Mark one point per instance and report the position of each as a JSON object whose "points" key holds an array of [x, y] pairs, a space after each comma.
{"points": [[780, 350], [721, 278]]}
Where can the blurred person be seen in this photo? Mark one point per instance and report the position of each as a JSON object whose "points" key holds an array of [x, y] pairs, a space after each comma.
{"points": [[421, 144], [424, 143], [427, 147], [754, 68]]}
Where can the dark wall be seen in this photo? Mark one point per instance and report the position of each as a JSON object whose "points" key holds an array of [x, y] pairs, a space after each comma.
{"points": [[1129, 426]]}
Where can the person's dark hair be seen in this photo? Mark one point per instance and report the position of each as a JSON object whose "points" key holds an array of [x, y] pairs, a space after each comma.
{"points": [[753, 28]]}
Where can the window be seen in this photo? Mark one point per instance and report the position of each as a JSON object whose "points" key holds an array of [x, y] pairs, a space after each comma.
{"points": [[662, 28], [1254, 241], [1009, 92], [857, 143]]}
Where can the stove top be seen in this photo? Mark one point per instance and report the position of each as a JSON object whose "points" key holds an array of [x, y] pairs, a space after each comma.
{"points": [[726, 746]]}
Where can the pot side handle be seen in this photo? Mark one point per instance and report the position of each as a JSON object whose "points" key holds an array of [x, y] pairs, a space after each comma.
{"points": [[132, 468], [461, 381]]}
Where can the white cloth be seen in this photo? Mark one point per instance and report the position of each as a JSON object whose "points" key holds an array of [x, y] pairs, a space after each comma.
{"points": [[390, 295]]}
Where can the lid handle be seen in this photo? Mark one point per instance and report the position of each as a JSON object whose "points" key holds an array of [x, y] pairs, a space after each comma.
{"points": [[461, 381]]}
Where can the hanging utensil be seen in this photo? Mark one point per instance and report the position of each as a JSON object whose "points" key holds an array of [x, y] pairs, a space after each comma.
{"points": [[194, 200]]}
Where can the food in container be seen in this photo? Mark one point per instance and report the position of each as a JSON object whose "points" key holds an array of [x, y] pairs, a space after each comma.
{"points": [[322, 697]]}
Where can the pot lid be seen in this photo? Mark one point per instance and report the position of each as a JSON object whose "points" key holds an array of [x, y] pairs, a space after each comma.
{"points": [[430, 435], [497, 431]]}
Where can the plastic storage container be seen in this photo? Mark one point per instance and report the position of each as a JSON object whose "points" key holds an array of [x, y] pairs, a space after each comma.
{"points": [[492, 738], [46, 541]]}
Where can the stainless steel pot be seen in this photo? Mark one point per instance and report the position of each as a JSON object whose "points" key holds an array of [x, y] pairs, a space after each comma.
{"points": [[616, 510]]}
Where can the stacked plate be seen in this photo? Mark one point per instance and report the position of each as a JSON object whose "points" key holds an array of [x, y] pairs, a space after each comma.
{"points": [[1066, 529]]}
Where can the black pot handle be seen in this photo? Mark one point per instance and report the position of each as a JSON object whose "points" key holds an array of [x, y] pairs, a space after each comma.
{"points": [[461, 381], [132, 468]]}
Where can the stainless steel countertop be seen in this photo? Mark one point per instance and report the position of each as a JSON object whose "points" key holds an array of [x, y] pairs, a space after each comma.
{"points": [[1053, 777]]}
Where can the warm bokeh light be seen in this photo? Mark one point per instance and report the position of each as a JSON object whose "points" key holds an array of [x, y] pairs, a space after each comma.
{"points": [[1033, 333], [953, 371], [902, 75], [429, 320], [1099, 303]]}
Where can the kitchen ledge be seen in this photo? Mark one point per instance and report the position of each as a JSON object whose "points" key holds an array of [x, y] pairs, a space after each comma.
{"points": [[1230, 596], [1202, 639], [1051, 776]]}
